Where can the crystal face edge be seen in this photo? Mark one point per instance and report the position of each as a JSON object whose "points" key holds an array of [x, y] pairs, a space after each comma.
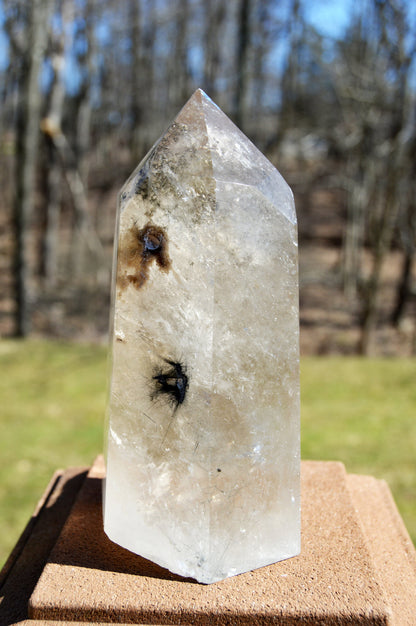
{"points": [[136, 342]]}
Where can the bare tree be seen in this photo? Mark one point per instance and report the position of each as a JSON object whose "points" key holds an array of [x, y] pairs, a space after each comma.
{"points": [[243, 43], [214, 16], [372, 81], [137, 71], [126, 68], [51, 124], [181, 80], [292, 87], [26, 152]]}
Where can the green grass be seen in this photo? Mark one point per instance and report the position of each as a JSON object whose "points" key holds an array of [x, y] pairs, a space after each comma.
{"points": [[363, 412], [52, 395], [52, 402]]}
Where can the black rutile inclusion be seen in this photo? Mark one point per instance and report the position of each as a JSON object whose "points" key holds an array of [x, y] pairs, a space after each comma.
{"points": [[172, 382]]}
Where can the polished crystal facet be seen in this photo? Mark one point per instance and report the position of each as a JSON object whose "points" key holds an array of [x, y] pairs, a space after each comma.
{"points": [[203, 426]]}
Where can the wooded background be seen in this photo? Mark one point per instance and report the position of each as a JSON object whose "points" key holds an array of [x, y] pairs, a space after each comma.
{"points": [[87, 86]]}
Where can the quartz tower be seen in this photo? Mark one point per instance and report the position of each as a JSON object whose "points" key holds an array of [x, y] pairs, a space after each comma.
{"points": [[203, 417]]}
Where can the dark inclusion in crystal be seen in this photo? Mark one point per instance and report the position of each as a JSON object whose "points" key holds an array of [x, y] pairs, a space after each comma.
{"points": [[141, 185], [138, 249], [172, 382]]}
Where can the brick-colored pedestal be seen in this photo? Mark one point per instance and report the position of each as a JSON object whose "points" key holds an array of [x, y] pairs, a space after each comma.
{"points": [[357, 566]]}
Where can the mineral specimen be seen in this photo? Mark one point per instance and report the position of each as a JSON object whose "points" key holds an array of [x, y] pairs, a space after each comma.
{"points": [[203, 424]]}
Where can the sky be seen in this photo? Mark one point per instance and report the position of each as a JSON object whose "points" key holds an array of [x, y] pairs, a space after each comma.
{"points": [[327, 16], [330, 18]]}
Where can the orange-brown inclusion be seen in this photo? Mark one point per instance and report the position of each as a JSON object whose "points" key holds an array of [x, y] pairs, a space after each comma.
{"points": [[138, 249]]}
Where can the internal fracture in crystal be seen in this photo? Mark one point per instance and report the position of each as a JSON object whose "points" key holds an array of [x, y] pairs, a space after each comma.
{"points": [[203, 419]]}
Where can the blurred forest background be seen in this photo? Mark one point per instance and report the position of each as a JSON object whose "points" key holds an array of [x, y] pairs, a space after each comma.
{"points": [[327, 90], [87, 86]]}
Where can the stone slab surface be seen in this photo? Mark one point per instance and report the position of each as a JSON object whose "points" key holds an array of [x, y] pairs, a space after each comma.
{"points": [[36, 622], [26, 562], [334, 580], [396, 567], [357, 566]]}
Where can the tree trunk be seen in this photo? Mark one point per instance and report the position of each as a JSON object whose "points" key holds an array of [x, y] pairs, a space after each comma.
{"points": [[382, 246], [137, 67], [84, 229], [214, 17], [243, 41], [291, 90], [50, 244], [359, 181], [26, 152], [403, 289], [181, 81], [77, 165], [51, 125]]}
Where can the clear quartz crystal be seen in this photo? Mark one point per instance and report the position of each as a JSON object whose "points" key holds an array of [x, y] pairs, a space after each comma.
{"points": [[203, 418]]}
